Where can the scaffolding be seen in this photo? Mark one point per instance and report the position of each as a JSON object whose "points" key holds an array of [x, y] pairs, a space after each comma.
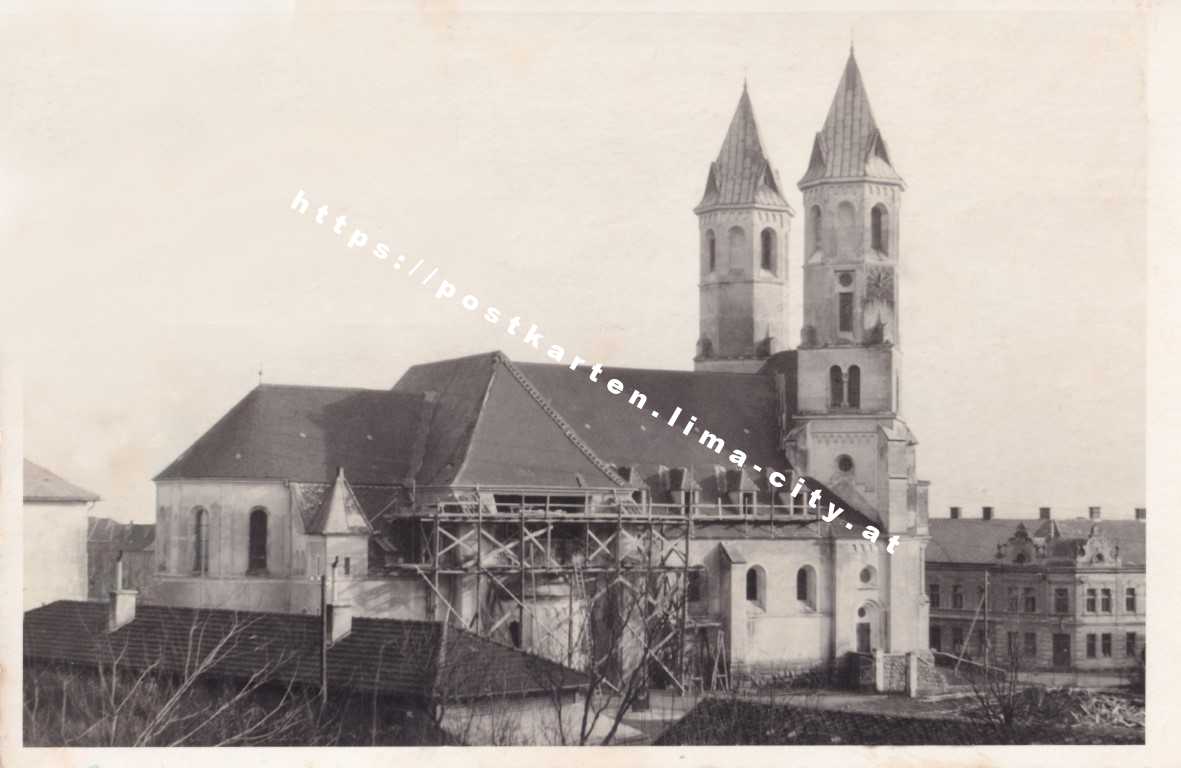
{"points": [[611, 552]]}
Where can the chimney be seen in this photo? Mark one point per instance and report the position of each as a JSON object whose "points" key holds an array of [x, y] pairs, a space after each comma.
{"points": [[955, 513], [1093, 512], [121, 609], [340, 614], [1141, 513], [986, 513], [1043, 513]]}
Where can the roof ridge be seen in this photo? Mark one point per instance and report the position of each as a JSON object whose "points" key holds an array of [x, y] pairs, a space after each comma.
{"points": [[470, 433], [557, 418]]}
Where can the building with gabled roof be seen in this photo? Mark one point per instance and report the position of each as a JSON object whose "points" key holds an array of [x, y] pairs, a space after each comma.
{"points": [[54, 537], [1045, 593], [511, 497]]}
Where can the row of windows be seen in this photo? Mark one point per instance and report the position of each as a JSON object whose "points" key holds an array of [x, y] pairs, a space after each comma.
{"points": [[1024, 599], [1105, 645], [1026, 643], [879, 224], [756, 586], [768, 250], [256, 543]]}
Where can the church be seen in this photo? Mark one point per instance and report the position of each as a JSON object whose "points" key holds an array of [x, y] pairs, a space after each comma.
{"points": [[527, 505]]}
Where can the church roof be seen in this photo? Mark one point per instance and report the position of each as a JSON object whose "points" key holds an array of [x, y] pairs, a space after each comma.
{"points": [[743, 174], [42, 485], [483, 420], [849, 146], [281, 432], [491, 426]]}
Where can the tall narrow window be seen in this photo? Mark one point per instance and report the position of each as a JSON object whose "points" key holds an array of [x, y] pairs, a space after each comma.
{"points": [[711, 248], [1014, 600], [200, 541], [1090, 646], [816, 219], [1030, 599], [1130, 599], [1105, 600], [806, 586], [752, 585], [933, 594], [257, 546], [957, 596], [1105, 644], [854, 396], [737, 254], [1130, 644], [767, 243], [1090, 601], [1061, 600], [880, 228], [836, 387], [845, 312]]}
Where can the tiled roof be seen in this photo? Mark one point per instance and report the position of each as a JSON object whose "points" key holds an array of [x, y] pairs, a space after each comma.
{"points": [[850, 146], [740, 408], [410, 658], [42, 485], [490, 426], [742, 174], [1127, 534], [971, 541], [975, 541], [306, 434]]}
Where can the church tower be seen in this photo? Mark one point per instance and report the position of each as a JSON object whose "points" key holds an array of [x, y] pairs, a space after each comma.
{"points": [[846, 430], [744, 224]]}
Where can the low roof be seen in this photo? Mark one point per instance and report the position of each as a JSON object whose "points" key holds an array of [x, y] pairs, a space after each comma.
{"points": [[129, 537], [420, 659], [41, 485]]}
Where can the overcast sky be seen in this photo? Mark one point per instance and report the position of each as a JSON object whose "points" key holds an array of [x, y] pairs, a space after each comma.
{"points": [[550, 164]]}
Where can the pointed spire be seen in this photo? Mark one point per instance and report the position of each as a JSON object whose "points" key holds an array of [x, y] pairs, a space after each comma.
{"points": [[850, 146], [340, 512], [742, 174]]}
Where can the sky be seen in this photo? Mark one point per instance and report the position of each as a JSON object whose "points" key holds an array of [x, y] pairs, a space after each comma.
{"points": [[549, 163]]}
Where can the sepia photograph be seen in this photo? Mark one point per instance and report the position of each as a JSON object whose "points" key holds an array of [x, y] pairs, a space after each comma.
{"points": [[662, 377]]}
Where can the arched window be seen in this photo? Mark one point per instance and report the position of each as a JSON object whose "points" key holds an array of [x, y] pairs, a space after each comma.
{"points": [[711, 249], [836, 386], [848, 233], [880, 228], [514, 633], [756, 586], [752, 584], [736, 250], [767, 243], [257, 546], [815, 219], [806, 586], [200, 540], [854, 394]]}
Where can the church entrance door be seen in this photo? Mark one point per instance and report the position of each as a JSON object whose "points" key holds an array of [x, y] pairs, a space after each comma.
{"points": [[863, 640]]}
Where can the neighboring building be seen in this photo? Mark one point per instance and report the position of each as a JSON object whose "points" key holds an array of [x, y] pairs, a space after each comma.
{"points": [[54, 533], [408, 666], [1062, 594], [510, 496], [133, 544]]}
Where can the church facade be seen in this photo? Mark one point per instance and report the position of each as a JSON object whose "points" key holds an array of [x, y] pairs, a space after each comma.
{"points": [[525, 504]]}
